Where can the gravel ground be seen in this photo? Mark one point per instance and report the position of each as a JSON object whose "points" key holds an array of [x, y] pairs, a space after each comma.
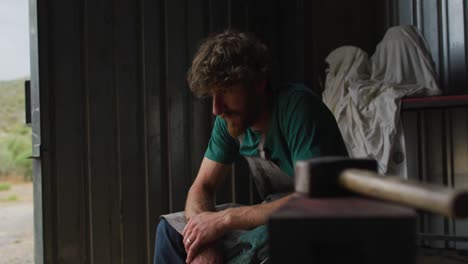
{"points": [[17, 225]]}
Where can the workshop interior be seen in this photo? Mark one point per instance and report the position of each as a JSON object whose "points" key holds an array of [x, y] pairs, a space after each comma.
{"points": [[118, 137]]}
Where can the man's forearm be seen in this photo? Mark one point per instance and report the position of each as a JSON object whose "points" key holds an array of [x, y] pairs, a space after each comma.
{"points": [[249, 217], [199, 199], [204, 228], [201, 194]]}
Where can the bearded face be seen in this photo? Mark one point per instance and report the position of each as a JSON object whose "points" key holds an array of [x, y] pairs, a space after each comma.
{"points": [[236, 123], [237, 106]]}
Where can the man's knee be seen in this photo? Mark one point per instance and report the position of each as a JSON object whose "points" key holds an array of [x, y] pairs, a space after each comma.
{"points": [[169, 247], [166, 235], [163, 228], [165, 232]]}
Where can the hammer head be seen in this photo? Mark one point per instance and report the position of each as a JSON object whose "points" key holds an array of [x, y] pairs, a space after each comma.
{"points": [[318, 177]]}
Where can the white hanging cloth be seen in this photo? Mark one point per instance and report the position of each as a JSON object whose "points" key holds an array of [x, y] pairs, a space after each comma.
{"points": [[364, 95]]}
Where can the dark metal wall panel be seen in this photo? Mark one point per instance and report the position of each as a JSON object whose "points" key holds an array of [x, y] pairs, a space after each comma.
{"points": [[435, 148], [219, 19], [94, 185], [45, 215], [238, 14], [200, 110], [156, 144], [177, 99], [101, 141], [133, 134], [405, 11], [460, 164], [69, 173], [332, 24], [440, 136], [436, 152], [291, 40], [410, 123], [456, 30], [430, 26], [129, 120], [218, 15], [443, 23]]}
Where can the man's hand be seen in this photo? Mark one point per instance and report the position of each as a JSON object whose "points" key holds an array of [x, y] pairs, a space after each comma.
{"points": [[202, 229], [211, 254]]}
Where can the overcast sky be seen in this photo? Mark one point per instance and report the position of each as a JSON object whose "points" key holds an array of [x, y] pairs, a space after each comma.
{"points": [[14, 39]]}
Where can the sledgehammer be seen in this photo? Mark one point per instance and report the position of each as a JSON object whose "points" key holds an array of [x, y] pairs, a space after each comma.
{"points": [[337, 176]]}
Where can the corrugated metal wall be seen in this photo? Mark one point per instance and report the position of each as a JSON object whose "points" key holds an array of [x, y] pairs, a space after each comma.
{"points": [[119, 129], [443, 23], [437, 152], [437, 140], [121, 136]]}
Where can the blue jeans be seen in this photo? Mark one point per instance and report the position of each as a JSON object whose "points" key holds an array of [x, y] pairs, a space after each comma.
{"points": [[169, 247]]}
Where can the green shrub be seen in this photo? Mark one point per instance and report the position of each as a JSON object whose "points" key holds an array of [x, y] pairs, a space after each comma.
{"points": [[4, 187], [15, 136], [6, 162], [15, 150], [11, 198]]}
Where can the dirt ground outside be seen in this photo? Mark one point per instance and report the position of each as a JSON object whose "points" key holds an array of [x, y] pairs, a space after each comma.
{"points": [[16, 224]]}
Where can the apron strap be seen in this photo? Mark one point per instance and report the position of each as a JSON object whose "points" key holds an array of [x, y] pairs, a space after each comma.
{"points": [[260, 146], [241, 139]]}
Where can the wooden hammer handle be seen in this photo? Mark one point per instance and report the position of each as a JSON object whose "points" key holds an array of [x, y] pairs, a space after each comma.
{"points": [[437, 199]]}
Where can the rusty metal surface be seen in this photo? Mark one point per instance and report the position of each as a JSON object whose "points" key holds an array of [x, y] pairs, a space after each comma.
{"points": [[339, 230]]}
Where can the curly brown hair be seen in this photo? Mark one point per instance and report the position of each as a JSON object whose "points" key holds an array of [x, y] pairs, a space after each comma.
{"points": [[226, 59]]}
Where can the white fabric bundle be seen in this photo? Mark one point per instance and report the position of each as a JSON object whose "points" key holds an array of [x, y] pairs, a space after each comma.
{"points": [[364, 95]]}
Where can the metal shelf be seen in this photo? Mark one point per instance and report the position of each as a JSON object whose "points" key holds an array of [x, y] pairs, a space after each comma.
{"points": [[434, 102]]}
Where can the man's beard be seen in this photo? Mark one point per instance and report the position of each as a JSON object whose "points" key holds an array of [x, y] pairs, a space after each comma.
{"points": [[237, 122]]}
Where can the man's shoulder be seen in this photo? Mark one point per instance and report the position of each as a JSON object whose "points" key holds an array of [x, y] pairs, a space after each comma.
{"points": [[291, 93]]}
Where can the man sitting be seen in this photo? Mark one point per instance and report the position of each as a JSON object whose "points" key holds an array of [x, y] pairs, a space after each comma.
{"points": [[271, 128]]}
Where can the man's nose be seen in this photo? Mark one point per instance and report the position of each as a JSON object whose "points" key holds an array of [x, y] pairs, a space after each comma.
{"points": [[217, 104]]}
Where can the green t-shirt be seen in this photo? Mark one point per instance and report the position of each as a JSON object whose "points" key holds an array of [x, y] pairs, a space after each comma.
{"points": [[301, 127]]}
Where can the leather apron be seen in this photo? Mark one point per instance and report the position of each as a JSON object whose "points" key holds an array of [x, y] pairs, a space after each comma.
{"points": [[271, 182]]}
